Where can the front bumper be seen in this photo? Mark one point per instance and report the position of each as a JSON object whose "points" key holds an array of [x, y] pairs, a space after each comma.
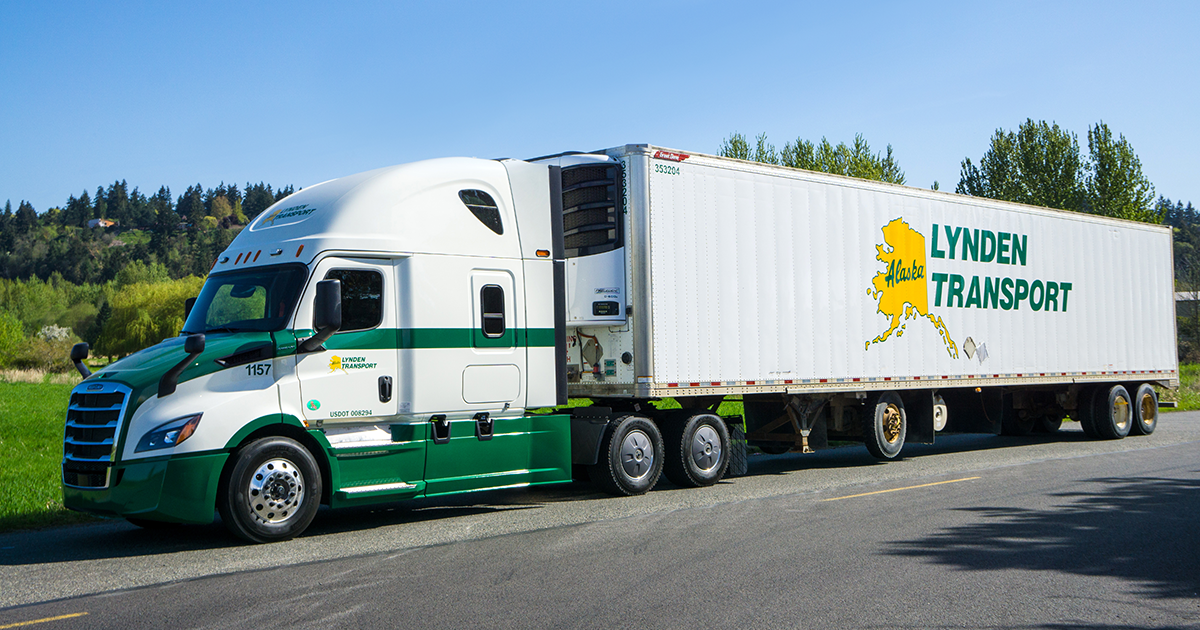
{"points": [[176, 489]]}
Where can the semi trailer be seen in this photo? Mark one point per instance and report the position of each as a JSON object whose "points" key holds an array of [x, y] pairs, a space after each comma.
{"points": [[416, 331]]}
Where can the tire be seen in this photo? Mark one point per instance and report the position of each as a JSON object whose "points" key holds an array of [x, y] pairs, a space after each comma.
{"points": [[697, 450], [1145, 410], [1013, 424], [272, 492], [631, 457], [739, 462], [1048, 424], [884, 429], [1084, 411], [1112, 416]]}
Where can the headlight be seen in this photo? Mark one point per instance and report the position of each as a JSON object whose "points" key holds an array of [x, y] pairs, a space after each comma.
{"points": [[169, 434]]}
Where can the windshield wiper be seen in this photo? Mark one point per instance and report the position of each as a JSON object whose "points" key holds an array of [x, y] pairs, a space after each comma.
{"points": [[221, 329]]}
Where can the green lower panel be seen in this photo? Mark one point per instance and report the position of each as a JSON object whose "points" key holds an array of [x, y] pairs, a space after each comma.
{"points": [[523, 450], [380, 473], [181, 490]]}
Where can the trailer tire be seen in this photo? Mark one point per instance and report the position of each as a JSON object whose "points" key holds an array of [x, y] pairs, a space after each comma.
{"points": [[739, 461], [1013, 424], [1112, 416], [1048, 424], [697, 450], [884, 428], [1145, 410], [631, 457], [272, 492], [1084, 411]]}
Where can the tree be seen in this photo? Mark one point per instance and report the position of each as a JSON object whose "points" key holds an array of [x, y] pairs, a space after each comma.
{"points": [[853, 161], [26, 218], [100, 211], [1116, 186], [258, 197], [144, 314], [1041, 164]]}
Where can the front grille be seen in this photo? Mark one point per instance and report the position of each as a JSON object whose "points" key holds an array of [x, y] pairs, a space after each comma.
{"points": [[93, 425]]}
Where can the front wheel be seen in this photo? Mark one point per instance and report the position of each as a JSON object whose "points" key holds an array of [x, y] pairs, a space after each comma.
{"points": [[631, 457], [884, 426], [272, 492], [697, 450]]}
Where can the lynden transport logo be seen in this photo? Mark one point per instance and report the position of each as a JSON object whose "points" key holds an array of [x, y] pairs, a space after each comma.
{"points": [[903, 288], [289, 212], [349, 363]]}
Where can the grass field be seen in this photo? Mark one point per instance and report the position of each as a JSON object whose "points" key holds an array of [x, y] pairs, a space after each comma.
{"points": [[31, 434], [31, 430]]}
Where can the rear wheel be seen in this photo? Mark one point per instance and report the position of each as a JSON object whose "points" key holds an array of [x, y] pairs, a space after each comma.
{"points": [[1049, 424], [1112, 416], [697, 450], [1145, 410], [884, 429], [1083, 411], [631, 457], [272, 492]]}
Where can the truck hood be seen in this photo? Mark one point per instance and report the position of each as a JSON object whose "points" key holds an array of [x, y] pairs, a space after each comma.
{"points": [[142, 370]]}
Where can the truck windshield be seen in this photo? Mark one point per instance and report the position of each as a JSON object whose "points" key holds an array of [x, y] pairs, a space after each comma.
{"points": [[257, 300]]}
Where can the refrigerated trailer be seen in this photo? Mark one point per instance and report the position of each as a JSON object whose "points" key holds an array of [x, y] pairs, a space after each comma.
{"points": [[417, 330]]}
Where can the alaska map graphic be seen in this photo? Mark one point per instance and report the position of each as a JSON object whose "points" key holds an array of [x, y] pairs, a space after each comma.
{"points": [[901, 289]]}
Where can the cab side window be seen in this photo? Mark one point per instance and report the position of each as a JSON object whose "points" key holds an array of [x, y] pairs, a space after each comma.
{"points": [[491, 301], [362, 298]]}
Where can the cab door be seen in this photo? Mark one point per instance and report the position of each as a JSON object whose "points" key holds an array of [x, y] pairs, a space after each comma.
{"points": [[488, 445], [347, 380], [348, 388]]}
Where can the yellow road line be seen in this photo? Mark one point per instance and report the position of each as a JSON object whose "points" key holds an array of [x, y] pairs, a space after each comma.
{"points": [[30, 623], [924, 485]]}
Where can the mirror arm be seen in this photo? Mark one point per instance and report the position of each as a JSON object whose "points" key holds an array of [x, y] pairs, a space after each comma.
{"points": [[316, 342], [170, 379]]}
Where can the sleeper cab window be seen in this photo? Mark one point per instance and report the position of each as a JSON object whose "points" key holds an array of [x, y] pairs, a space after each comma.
{"points": [[362, 298], [484, 208], [491, 299]]}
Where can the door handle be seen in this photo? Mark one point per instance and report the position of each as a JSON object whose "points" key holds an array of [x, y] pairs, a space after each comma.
{"points": [[385, 388]]}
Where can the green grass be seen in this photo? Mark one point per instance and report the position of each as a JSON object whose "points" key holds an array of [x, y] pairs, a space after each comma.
{"points": [[31, 430], [1187, 397]]}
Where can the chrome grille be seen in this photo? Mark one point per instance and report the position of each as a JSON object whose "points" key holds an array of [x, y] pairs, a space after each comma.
{"points": [[93, 425]]}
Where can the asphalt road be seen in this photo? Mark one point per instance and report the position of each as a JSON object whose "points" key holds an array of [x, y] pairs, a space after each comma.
{"points": [[975, 532]]}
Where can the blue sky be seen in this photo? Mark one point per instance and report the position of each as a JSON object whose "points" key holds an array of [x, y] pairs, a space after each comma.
{"points": [[299, 92]]}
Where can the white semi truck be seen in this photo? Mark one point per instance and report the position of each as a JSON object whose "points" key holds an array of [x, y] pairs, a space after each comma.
{"points": [[389, 335]]}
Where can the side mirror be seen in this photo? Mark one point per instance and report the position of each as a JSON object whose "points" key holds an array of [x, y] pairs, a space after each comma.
{"points": [[187, 307], [327, 314], [193, 345], [79, 352]]}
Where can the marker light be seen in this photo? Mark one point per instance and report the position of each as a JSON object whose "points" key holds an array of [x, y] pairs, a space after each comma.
{"points": [[169, 434]]}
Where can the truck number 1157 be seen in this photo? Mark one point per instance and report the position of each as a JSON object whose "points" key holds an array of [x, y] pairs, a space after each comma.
{"points": [[258, 369]]}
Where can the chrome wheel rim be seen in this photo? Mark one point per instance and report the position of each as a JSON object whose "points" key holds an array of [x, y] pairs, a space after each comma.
{"points": [[892, 424], [1149, 410], [706, 448], [1120, 413], [637, 454], [276, 491]]}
